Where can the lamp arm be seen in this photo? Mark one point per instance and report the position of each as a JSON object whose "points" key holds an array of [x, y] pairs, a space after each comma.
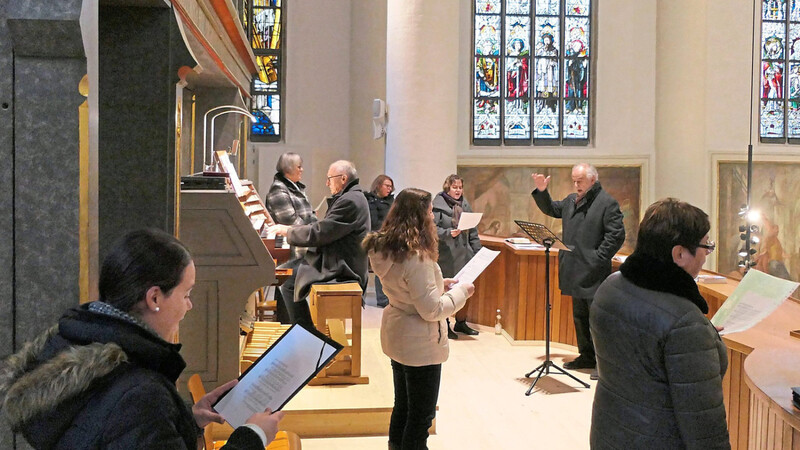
{"points": [[205, 123], [214, 117]]}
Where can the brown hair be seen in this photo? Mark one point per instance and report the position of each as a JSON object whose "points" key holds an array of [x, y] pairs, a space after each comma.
{"points": [[450, 180], [408, 229], [670, 222], [378, 182]]}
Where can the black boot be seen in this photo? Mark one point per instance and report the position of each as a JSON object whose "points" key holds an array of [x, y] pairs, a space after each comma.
{"points": [[450, 333], [462, 327]]}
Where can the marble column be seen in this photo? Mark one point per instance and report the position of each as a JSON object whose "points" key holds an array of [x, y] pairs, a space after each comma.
{"points": [[422, 92]]}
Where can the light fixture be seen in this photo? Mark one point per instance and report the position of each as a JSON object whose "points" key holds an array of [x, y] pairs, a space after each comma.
{"points": [[232, 108]]}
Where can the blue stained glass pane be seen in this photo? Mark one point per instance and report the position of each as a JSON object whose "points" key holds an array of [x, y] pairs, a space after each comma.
{"points": [[773, 38], [771, 119], [545, 121], [487, 6], [266, 108], [518, 7], [486, 77], [793, 125], [487, 119], [518, 31], [794, 14], [487, 35], [547, 36], [517, 77], [794, 80], [518, 119], [771, 80], [548, 7], [576, 79], [773, 9], [577, 8], [577, 36]]}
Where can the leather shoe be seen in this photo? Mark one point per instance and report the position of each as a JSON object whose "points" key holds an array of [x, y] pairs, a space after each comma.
{"points": [[462, 327], [594, 375], [450, 333], [580, 363]]}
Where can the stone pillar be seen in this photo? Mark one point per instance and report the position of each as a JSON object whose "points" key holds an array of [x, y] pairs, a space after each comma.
{"points": [[422, 52]]}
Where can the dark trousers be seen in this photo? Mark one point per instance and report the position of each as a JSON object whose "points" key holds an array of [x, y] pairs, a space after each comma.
{"points": [[580, 314], [416, 390], [298, 311]]}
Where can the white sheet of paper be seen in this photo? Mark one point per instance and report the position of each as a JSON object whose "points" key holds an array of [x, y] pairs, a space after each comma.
{"points": [[274, 378], [469, 220], [476, 265], [756, 297], [231, 170]]}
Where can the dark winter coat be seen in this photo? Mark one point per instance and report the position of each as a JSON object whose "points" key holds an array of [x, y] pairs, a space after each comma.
{"points": [[101, 382], [337, 255], [593, 230], [378, 208], [660, 362], [454, 252]]}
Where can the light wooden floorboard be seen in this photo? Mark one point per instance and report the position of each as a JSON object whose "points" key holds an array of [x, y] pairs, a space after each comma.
{"points": [[482, 401]]}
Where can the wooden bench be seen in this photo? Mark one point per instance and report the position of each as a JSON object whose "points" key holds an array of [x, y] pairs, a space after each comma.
{"points": [[331, 305], [216, 435]]}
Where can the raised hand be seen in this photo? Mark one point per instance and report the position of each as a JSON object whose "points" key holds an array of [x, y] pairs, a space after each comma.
{"points": [[540, 181]]}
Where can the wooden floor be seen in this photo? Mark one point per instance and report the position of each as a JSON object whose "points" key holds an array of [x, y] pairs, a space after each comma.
{"points": [[482, 401]]}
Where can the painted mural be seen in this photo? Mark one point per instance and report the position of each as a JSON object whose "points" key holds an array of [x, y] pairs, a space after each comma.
{"points": [[503, 194], [774, 194]]}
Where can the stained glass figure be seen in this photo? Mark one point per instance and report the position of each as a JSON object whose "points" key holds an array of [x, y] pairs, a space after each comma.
{"points": [[532, 72], [265, 34], [487, 6], [773, 10]]}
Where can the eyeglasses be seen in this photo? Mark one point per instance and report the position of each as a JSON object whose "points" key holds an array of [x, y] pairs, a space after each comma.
{"points": [[710, 246], [334, 176]]}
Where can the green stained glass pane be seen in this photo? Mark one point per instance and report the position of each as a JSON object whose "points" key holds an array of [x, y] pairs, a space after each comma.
{"points": [[487, 35], [548, 7], [487, 6], [518, 31], [518, 7], [773, 9]]}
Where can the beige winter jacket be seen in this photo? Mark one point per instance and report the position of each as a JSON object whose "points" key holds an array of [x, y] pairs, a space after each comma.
{"points": [[413, 330]]}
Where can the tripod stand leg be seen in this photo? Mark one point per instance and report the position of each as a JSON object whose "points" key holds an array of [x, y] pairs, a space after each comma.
{"points": [[541, 369], [586, 385]]}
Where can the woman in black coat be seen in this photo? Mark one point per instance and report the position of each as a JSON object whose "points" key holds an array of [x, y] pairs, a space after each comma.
{"points": [[104, 377], [456, 247], [380, 199]]}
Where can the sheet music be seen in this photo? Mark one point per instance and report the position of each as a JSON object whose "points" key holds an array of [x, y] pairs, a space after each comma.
{"points": [[279, 374], [476, 265], [228, 167], [756, 297], [469, 220]]}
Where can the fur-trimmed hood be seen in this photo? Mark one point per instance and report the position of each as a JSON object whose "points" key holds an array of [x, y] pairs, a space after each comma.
{"points": [[46, 384]]}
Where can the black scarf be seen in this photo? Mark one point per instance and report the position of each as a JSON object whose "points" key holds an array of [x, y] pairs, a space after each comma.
{"points": [[456, 204], [649, 273]]}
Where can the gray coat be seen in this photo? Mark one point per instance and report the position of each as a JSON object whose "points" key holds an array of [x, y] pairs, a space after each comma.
{"points": [[337, 256], [660, 362], [454, 252], [593, 230]]}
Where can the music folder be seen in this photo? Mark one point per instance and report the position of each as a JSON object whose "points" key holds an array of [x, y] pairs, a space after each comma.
{"points": [[278, 374], [542, 235]]}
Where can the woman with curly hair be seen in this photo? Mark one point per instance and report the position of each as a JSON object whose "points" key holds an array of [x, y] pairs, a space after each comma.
{"points": [[413, 331]]}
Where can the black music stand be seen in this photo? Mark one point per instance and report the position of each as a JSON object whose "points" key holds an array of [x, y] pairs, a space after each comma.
{"points": [[545, 237]]}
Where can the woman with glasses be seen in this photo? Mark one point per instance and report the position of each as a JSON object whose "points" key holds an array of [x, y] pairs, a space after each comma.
{"points": [[380, 199], [659, 359], [413, 332]]}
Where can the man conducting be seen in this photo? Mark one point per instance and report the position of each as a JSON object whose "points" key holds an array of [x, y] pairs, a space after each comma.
{"points": [[335, 254], [593, 230]]}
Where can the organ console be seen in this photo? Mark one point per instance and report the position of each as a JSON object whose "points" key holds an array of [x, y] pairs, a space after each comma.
{"points": [[226, 232]]}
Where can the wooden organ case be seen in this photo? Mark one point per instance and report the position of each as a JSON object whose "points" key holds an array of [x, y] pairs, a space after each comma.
{"points": [[223, 232]]}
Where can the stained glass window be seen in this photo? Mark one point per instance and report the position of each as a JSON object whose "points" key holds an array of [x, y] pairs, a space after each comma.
{"points": [[531, 64], [263, 20], [779, 103]]}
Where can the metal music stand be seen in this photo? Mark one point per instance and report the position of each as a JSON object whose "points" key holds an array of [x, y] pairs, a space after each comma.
{"points": [[545, 237]]}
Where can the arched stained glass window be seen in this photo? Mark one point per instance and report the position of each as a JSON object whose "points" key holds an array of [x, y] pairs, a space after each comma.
{"points": [[263, 20], [780, 64], [531, 64]]}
